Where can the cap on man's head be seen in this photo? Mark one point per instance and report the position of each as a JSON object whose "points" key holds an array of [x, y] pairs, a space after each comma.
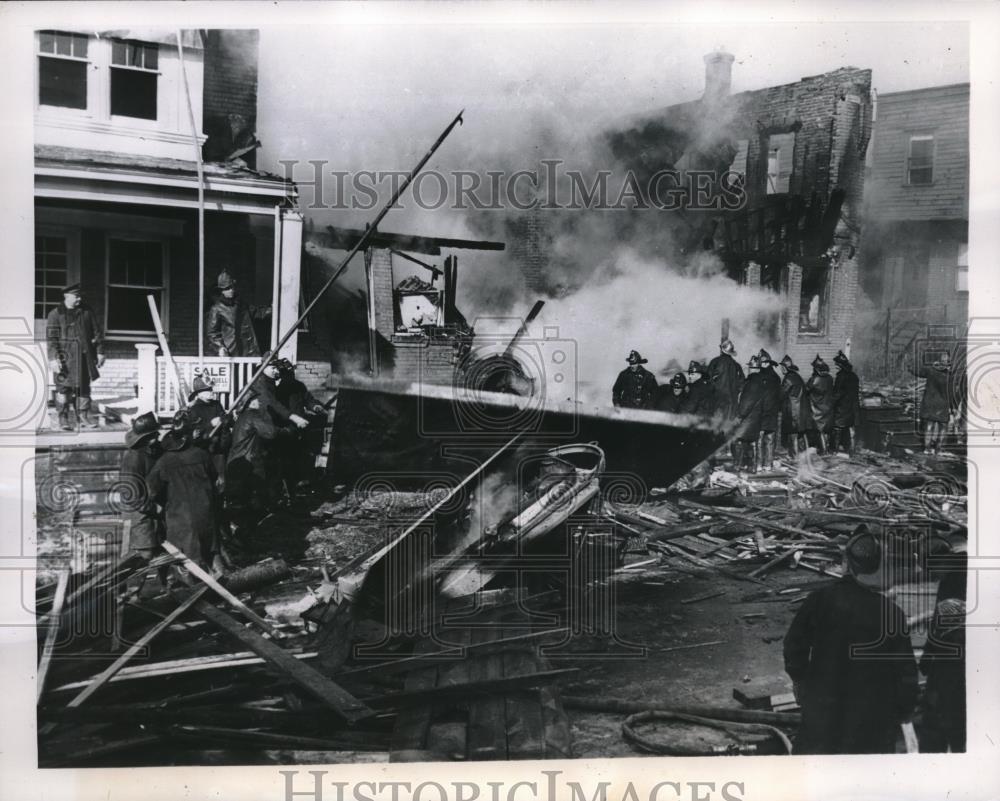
{"points": [[72, 289], [764, 356], [678, 380], [754, 361], [635, 358], [727, 346], [864, 554], [696, 367], [200, 384], [226, 281], [841, 358], [144, 427], [786, 361]]}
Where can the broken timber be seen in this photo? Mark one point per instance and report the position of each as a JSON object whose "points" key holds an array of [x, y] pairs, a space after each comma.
{"points": [[326, 690]]}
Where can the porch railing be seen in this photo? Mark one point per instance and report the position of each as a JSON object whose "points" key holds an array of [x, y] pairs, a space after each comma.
{"points": [[235, 372]]}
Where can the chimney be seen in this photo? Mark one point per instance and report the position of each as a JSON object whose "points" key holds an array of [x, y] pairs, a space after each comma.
{"points": [[718, 74]]}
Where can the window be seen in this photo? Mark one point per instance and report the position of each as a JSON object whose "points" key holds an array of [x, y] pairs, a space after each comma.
{"points": [[962, 270], [135, 269], [920, 163], [813, 300], [780, 149], [62, 69], [52, 270], [133, 79]]}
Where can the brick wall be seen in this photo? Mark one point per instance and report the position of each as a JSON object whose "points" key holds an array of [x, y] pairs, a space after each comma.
{"points": [[230, 94], [426, 361], [382, 285], [529, 240]]}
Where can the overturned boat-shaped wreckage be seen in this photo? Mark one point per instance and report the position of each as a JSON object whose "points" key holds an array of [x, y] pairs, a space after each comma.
{"points": [[567, 481]]}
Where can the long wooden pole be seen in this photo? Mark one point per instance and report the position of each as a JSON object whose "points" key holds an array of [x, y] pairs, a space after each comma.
{"points": [[50, 638], [363, 240], [158, 325]]}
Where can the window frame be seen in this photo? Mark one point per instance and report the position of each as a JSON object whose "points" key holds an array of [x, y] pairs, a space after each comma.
{"points": [[164, 309], [825, 298], [922, 136], [72, 236], [962, 268], [124, 118], [88, 62]]}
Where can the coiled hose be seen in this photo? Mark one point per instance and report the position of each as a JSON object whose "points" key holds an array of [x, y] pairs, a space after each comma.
{"points": [[730, 727]]}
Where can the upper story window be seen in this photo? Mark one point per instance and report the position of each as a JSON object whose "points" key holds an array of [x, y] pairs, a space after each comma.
{"points": [[62, 69], [780, 148], [962, 269], [920, 161], [134, 75]]}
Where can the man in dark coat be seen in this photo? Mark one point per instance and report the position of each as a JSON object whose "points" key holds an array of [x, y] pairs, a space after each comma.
{"points": [[796, 416], [748, 411], [671, 398], [770, 410], [819, 388], [700, 397], [183, 482], [142, 449], [297, 453], [938, 402], [265, 390], [851, 662], [943, 662], [635, 386], [230, 328], [726, 377], [76, 354], [846, 403], [250, 475], [209, 416]]}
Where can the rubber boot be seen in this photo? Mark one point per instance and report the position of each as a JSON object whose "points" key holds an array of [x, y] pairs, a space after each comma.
{"points": [[85, 412], [737, 450], [824, 443], [793, 446], [63, 413], [850, 440], [768, 457], [759, 452], [928, 436]]}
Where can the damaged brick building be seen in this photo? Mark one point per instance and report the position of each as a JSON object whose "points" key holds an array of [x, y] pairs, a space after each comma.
{"points": [[798, 152]]}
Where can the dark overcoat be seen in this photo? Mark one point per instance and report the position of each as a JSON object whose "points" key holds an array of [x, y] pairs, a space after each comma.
{"points": [[75, 340], [750, 407], [138, 507], [847, 398], [819, 387], [849, 652], [770, 399], [666, 401], [183, 482], [634, 389], [935, 405], [795, 412], [700, 398], [726, 377], [230, 326]]}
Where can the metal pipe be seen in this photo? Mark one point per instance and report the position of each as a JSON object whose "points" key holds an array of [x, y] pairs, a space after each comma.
{"points": [[535, 311]]}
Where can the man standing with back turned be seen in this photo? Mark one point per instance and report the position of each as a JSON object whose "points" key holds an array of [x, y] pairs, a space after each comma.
{"points": [[851, 662]]}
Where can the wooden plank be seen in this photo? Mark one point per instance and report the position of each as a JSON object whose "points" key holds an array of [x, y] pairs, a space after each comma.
{"points": [[226, 595], [525, 722], [446, 738], [108, 673], [55, 618], [311, 680]]}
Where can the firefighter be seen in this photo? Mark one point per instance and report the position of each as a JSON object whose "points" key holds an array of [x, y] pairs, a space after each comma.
{"points": [[183, 482], [796, 416], [209, 416], [297, 453], [727, 378], [936, 405], [671, 398], [846, 403], [635, 386], [76, 354], [142, 449], [700, 398], [770, 410], [230, 321], [851, 662], [250, 476], [748, 411], [819, 387]]}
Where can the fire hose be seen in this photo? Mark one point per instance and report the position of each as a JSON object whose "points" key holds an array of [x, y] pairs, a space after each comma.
{"points": [[735, 722]]}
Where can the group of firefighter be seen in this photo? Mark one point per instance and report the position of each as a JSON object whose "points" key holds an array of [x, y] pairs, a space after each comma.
{"points": [[821, 411], [211, 473]]}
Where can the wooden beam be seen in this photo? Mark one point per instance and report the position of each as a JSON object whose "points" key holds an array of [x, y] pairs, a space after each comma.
{"points": [[226, 595], [310, 679], [345, 238], [55, 618]]}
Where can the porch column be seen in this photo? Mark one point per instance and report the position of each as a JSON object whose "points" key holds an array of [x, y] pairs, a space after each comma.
{"points": [[288, 263], [146, 377]]}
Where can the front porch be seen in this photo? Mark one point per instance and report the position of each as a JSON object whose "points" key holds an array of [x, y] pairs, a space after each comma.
{"points": [[128, 226]]}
